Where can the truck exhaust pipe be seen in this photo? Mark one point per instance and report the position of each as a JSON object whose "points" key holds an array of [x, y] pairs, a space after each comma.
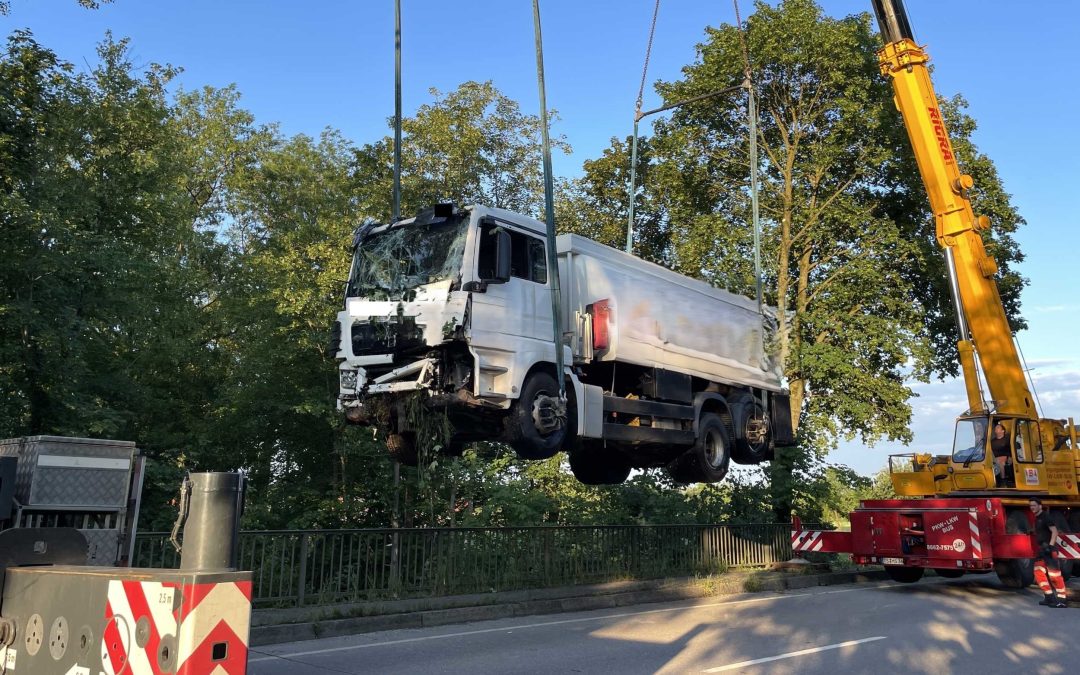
{"points": [[892, 20], [211, 504]]}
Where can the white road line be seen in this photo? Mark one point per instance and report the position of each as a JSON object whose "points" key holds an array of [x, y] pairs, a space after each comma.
{"points": [[852, 590], [621, 615], [801, 652]]}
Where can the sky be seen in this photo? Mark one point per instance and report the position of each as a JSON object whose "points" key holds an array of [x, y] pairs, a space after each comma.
{"points": [[313, 65]]}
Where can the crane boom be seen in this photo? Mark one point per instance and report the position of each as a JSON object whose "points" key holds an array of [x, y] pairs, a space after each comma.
{"points": [[982, 323], [970, 508], [1000, 442]]}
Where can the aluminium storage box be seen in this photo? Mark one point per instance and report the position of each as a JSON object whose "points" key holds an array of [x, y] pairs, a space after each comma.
{"points": [[80, 473]]}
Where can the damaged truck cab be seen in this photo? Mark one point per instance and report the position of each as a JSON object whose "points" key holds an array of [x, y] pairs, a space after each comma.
{"points": [[446, 339]]}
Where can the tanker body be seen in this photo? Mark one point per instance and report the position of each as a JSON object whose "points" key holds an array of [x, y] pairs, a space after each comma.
{"points": [[446, 338]]}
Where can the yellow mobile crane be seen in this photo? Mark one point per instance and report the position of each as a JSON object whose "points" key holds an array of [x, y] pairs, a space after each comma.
{"points": [[972, 514]]}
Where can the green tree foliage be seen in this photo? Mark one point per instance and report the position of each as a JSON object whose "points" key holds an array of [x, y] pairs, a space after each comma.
{"points": [[597, 207], [470, 146], [292, 215], [5, 5], [104, 286]]}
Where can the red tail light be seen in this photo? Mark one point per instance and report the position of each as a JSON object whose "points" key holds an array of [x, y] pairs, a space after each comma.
{"points": [[600, 311]]}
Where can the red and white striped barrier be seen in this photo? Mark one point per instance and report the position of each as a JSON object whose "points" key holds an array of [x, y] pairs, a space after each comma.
{"points": [[1069, 546], [817, 541], [803, 541], [976, 537], [151, 630]]}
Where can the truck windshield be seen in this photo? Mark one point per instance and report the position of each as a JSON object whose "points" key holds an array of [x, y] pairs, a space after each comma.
{"points": [[388, 264], [969, 444]]}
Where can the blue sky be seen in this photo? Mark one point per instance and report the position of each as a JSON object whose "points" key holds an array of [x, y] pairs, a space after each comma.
{"points": [[308, 66]]}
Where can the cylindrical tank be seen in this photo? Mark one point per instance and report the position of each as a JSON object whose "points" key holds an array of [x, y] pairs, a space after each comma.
{"points": [[212, 528]]}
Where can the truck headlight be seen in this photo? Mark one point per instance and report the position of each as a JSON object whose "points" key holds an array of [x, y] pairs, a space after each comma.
{"points": [[347, 378]]}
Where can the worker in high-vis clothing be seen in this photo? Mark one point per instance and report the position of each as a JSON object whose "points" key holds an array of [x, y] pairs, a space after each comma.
{"points": [[1048, 528]]}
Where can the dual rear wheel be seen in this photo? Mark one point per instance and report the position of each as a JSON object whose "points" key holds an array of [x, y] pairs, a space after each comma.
{"points": [[708, 460]]}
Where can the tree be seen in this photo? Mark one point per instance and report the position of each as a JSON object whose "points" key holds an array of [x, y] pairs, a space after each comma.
{"points": [[108, 275], [472, 145], [96, 244], [291, 212]]}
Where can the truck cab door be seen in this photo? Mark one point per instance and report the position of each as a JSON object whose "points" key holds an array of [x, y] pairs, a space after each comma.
{"points": [[971, 467], [507, 312], [1028, 453]]}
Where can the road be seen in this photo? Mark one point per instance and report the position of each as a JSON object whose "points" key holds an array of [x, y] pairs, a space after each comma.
{"points": [[968, 625]]}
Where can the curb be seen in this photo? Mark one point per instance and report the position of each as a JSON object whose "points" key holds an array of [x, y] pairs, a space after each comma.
{"points": [[430, 612]]}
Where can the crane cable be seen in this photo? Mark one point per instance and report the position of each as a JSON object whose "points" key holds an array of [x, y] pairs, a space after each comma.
{"points": [[1028, 375], [637, 118], [645, 68], [742, 41], [751, 115]]}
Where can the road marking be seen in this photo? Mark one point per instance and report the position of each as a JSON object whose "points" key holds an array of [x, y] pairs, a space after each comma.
{"points": [[801, 652], [542, 624], [852, 590]]}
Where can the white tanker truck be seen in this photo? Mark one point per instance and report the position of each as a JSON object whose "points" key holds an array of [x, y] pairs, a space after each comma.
{"points": [[450, 313]]}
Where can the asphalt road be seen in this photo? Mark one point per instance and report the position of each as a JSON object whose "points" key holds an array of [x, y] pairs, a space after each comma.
{"points": [[968, 625]]}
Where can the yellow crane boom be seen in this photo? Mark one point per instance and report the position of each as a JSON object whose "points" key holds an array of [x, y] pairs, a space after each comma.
{"points": [[1041, 453]]}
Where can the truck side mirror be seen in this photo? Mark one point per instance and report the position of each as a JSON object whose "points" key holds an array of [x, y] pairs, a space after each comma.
{"points": [[502, 257]]}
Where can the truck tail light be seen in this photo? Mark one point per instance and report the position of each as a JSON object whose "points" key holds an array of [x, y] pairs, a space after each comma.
{"points": [[600, 311]]}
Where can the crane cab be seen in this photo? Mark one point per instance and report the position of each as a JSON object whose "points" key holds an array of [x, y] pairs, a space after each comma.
{"points": [[992, 453]]}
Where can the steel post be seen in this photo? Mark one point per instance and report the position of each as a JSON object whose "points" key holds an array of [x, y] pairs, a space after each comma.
{"points": [[212, 528]]}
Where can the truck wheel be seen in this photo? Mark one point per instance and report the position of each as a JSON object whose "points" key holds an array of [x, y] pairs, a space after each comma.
{"points": [[1017, 572], [539, 420], [752, 445], [904, 575], [593, 464], [402, 448], [708, 460]]}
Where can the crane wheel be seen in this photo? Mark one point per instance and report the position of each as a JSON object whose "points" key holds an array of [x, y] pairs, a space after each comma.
{"points": [[1016, 572]]}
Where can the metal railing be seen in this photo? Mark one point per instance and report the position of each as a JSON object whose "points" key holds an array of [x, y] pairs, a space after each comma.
{"points": [[309, 567]]}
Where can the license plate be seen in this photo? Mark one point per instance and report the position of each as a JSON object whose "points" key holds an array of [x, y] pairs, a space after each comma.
{"points": [[892, 561]]}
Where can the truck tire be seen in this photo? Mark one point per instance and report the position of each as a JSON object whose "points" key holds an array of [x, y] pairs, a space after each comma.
{"points": [[538, 430], [754, 436], [594, 464], [708, 460], [1016, 572], [904, 575]]}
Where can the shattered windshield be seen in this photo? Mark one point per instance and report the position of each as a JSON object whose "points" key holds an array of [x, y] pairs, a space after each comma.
{"points": [[388, 264]]}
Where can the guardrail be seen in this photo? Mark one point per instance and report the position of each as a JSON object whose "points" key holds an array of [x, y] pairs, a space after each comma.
{"points": [[310, 567]]}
